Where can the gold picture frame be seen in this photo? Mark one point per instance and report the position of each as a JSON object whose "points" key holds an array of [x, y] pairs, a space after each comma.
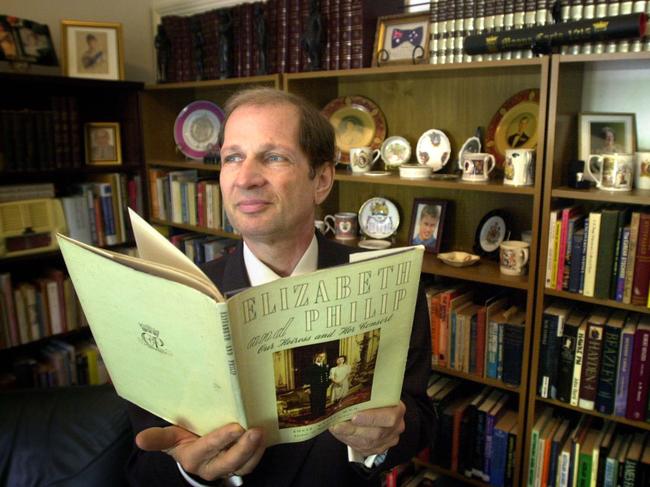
{"points": [[402, 39], [103, 144], [92, 49]]}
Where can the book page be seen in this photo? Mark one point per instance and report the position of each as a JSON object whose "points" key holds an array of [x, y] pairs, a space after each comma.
{"points": [[164, 344], [362, 310]]}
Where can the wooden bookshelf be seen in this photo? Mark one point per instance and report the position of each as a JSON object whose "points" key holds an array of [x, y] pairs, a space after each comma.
{"points": [[194, 228], [475, 378], [200, 166], [450, 473]]}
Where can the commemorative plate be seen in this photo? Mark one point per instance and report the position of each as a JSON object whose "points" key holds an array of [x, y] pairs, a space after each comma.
{"points": [[196, 130], [433, 149], [395, 151], [491, 231], [378, 218]]}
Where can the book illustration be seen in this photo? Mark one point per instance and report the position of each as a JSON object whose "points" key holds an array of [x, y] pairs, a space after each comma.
{"points": [[210, 361]]}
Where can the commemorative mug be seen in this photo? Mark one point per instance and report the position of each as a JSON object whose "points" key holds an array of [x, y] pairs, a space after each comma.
{"points": [[476, 166], [363, 158], [513, 257], [344, 224], [519, 167], [642, 170], [614, 172], [323, 227]]}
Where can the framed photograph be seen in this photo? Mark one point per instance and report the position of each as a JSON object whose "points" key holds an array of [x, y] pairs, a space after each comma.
{"points": [[25, 41], [92, 49], [606, 133], [402, 39], [103, 144], [427, 223]]}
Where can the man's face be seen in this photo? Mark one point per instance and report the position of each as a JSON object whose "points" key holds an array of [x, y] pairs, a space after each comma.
{"points": [[102, 138], [427, 227], [320, 358], [265, 181]]}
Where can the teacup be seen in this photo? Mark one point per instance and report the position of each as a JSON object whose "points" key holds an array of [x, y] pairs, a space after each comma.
{"points": [[476, 166], [519, 166], [363, 158], [323, 227], [642, 170], [513, 257], [614, 172], [344, 223]]}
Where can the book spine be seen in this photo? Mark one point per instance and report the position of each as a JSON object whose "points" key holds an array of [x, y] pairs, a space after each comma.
{"points": [[641, 278], [576, 255], [583, 256], [607, 376], [481, 316], [591, 366], [566, 363], [7, 293], [549, 325], [592, 254], [556, 252], [105, 194], [623, 378], [631, 257], [492, 350], [622, 266], [564, 231], [639, 376], [577, 366], [513, 346], [605, 262]]}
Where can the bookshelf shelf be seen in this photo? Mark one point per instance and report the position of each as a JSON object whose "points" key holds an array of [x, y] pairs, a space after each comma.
{"points": [[485, 271], [178, 164], [449, 473], [213, 83], [475, 378], [634, 197], [597, 302], [194, 228], [637, 424]]}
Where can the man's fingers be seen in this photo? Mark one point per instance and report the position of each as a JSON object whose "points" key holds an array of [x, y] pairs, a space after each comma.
{"points": [[156, 439], [255, 458], [241, 457], [386, 417]]}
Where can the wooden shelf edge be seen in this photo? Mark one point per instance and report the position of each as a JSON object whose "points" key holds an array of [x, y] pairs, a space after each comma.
{"points": [[449, 473], [194, 228], [485, 271], [32, 343], [212, 83], [634, 197], [617, 56], [596, 301], [475, 378], [184, 165], [629, 422]]}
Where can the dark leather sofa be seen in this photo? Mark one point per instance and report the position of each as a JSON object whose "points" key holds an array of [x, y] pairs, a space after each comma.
{"points": [[69, 436]]}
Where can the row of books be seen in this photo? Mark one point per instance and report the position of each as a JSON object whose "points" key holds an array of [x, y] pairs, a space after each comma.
{"points": [[33, 140], [200, 248], [453, 20], [475, 433], [482, 336], [38, 308], [58, 363], [271, 33], [97, 211], [181, 197], [596, 359], [602, 253], [580, 452]]}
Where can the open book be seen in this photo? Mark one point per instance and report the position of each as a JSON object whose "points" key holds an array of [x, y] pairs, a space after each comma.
{"points": [[174, 346]]}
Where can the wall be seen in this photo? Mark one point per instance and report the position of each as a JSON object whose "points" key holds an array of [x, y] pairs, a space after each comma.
{"points": [[135, 16]]}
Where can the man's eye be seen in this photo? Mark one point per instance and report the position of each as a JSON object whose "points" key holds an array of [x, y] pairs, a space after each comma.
{"points": [[275, 158], [231, 158]]}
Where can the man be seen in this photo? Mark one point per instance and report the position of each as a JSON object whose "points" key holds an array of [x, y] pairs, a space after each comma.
{"points": [[102, 149], [277, 154], [520, 137], [318, 378], [426, 232]]}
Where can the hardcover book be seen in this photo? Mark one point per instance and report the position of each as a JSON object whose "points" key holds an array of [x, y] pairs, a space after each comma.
{"points": [[637, 398], [552, 332], [592, 358], [567, 355], [214, 361], [609, 362], [624, 362], [641, 280]]}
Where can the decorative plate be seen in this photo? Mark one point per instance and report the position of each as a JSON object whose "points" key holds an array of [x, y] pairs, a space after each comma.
{"points": [[357, 122], [459, 259], [514, 125], [374, 244], [433, 149], [472, 145], [378, 218], [395, 151], [493, 229], [196, 130]]}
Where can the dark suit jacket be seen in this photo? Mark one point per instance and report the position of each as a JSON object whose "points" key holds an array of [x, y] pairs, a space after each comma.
{"points": [[321, 460]]}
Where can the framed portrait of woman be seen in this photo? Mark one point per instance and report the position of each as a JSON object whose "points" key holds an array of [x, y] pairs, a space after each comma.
{"points": [[92, 49], [606, 133]]}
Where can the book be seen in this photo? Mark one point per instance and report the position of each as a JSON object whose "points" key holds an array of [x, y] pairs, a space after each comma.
{"points": [[551, 256], [482, 431], [623, 217], [544, 451], [513, 347], [637, 398], [622, 263], [632, 465], [641, 279], [576, 256], [500, 447], [553, 320], [605, 262], [493, 415], [585, 458], [132, 307], [570, 213], [624, 363], [607, 376], [608, 435], [542, 417], [559, 437], [591, 262], [631, 256], [578, 363], [468, 437], [592, 357], [567, 354]]}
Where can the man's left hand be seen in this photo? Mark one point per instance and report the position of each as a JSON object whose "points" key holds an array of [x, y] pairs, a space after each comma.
{"points": [[372, 431]]}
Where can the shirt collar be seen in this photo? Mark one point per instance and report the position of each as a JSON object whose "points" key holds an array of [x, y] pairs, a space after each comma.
{"points": [[259, 273]]}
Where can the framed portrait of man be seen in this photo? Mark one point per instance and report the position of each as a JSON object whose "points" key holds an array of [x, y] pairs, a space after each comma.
{"points": [[606, 133], [92, 49], [427, 222], [103, 144]]}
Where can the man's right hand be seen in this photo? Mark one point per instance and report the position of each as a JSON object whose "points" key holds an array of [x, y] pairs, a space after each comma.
{"points": [[227, 450]]}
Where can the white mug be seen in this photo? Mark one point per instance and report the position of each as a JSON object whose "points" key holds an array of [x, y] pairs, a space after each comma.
{"points": [[344, 223], [615, 172], [642, 170], [519, 167], [363, 158], [476, 166], [513, 257], [323, 227]]}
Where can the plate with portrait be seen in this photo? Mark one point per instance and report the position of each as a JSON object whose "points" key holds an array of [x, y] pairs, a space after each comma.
{"points": [[514, 125], [357, 122], [433, 149], [378, 218], [196, 130], [493, 229], [395, 151]]}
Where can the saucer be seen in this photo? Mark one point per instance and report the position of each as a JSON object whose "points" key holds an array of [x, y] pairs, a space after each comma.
{"points": [[433, 149], [376, 173], [374, 244], [395, 151], [459, 259]]}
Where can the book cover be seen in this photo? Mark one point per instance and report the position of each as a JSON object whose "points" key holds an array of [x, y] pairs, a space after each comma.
{"points": [[624, 363], [567, 354], [592, 357], [553, 320], [637, 397], [605, 261], [631, 256], [607, 377], [641, 278], [132, 308], [544, 451], [585, 459]]}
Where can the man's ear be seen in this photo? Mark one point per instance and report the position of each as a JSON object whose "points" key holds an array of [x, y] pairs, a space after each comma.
{"points": [[324, 182]]}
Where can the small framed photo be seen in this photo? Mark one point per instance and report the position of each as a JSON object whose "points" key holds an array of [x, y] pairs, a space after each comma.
{"points": [[92, 49], [427, 223], [26, 41], [606, 133], [402, 39], [103, 144]]}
